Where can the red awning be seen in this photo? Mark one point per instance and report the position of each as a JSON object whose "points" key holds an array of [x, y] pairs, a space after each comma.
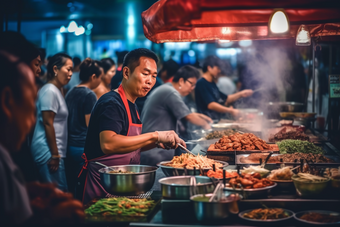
{"points": [[204, 20]]}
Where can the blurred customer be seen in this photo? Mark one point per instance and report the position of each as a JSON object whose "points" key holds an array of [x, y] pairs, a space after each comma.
{"points": [[109, 68], [117, 79], [209, 100], [165, 107], [16, 44], [49, 141], [35, 204], [80, 101], [169, 69], [75, 80]]}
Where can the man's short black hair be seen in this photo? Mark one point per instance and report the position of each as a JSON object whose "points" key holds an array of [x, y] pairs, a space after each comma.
{"points": [[131, 59], [212, 61], [171, 67], [186, 72]]}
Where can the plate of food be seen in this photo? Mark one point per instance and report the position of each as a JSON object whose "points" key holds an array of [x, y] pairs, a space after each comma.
{"points": [[266, 215], [318, 217], [250, 185], [186, 164], [283, 178], [120, 209]]}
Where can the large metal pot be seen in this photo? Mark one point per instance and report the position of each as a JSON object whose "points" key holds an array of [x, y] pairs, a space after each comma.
{"points": [[272, 109], [180, 188], [136, 183], [206, 211]]}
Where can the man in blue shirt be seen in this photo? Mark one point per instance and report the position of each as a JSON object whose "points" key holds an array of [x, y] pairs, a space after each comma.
{"points": [[209, 100]]}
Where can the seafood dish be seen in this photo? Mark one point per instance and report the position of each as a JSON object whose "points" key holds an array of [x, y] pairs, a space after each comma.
{"points": [[249, 181]]}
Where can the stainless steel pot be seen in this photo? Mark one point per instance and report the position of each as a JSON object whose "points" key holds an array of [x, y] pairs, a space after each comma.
{"points": [[138, 182], [272, 109], [206, 211], [171, 171], [180, 188]]}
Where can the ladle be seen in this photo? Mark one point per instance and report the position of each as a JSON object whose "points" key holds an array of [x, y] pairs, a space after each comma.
{"points": [[101, 164]]}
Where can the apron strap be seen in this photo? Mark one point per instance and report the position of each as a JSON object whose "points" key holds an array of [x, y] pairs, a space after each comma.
{"points": [[125, 101], [83, 156]]}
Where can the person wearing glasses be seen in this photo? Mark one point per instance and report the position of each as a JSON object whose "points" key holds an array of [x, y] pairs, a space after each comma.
{"points": [[165, 107]]}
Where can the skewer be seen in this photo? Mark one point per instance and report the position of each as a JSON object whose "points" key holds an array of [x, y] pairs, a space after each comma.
{"points": [[214, 168], [224, 181], [194, 170]]}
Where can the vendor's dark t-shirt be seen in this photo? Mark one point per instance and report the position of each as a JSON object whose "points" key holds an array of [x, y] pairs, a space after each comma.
{"points": [[205, 93], [79, 101], [108, 114]]}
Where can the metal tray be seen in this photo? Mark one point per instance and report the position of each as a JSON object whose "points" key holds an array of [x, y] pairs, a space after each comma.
{"points": [[335, 158]]}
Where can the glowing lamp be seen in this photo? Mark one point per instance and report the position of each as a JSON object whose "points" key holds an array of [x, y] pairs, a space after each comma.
{"points": [[303, 36], [278, 22]]}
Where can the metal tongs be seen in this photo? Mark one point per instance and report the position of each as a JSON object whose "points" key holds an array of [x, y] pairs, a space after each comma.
{"points": [[184, 148], [193, 188], [265, 161], [218, 194]]}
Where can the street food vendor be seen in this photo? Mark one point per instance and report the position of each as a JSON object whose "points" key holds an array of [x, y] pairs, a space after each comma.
{"points": [[114, 135], [209, 100]]}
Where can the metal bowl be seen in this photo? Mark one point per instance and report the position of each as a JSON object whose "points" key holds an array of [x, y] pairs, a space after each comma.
{"points": [[284, 185], [138, 182], [206, 211], [298, 216], [267, 221], [171, 171], [180, 188], [252, 192], [310, 189]]}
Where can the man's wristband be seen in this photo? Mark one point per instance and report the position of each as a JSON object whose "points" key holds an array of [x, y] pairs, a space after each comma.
{"points": [[55, 157]]}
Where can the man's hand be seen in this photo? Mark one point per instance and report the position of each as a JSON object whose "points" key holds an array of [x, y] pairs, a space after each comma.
{"points": [[234, 112], [169, 139], [246, 93], [53, 165]]}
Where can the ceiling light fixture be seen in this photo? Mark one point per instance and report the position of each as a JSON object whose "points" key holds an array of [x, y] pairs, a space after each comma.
{"points": [[303, 36], [278, 22]]}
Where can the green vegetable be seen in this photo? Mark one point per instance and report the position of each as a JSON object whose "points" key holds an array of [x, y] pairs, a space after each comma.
{"points": [[293, 146], [120, 206]]}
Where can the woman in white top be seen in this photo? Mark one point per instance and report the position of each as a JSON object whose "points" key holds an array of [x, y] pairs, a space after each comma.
{"points": [[49, 143]]}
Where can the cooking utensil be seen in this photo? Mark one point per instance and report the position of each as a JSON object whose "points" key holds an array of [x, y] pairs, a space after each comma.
{"points": [[180, 187], [252, 192], [206, 211], [184, 148], [98, 163], [170, 171], [218, 194], [138, 182], [266, 160], [267, 221], [298, 216], [272, 109]]}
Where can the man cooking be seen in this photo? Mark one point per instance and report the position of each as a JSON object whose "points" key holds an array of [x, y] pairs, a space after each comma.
{"points": [[209, 100], [114, 135]]}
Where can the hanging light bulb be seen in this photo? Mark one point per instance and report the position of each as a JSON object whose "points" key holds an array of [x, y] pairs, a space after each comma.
{"points": [[278, 22], [303, 36], [72, 26]]}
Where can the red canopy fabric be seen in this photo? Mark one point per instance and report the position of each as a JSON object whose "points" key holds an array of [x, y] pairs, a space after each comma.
{"points": [[204, 20]]}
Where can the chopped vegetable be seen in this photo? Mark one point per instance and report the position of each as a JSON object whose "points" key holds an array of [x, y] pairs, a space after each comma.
{"points": [[255, 169], [306, 177], [293, 146], [120, 206]]}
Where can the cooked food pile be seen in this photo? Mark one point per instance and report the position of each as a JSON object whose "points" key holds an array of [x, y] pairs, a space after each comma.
{"points": [[246, 141], [288, 133], [190, 161], [322, 218], [120, 206], [265, 214], [309, 178], [284, 173], [219, 134], [219, 174], [293, 146], [120, 172], [255, 169], [249, 181], [315, 158]]}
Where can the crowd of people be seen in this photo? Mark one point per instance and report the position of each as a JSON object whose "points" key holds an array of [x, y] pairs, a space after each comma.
{"points": [[54, 132]]}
